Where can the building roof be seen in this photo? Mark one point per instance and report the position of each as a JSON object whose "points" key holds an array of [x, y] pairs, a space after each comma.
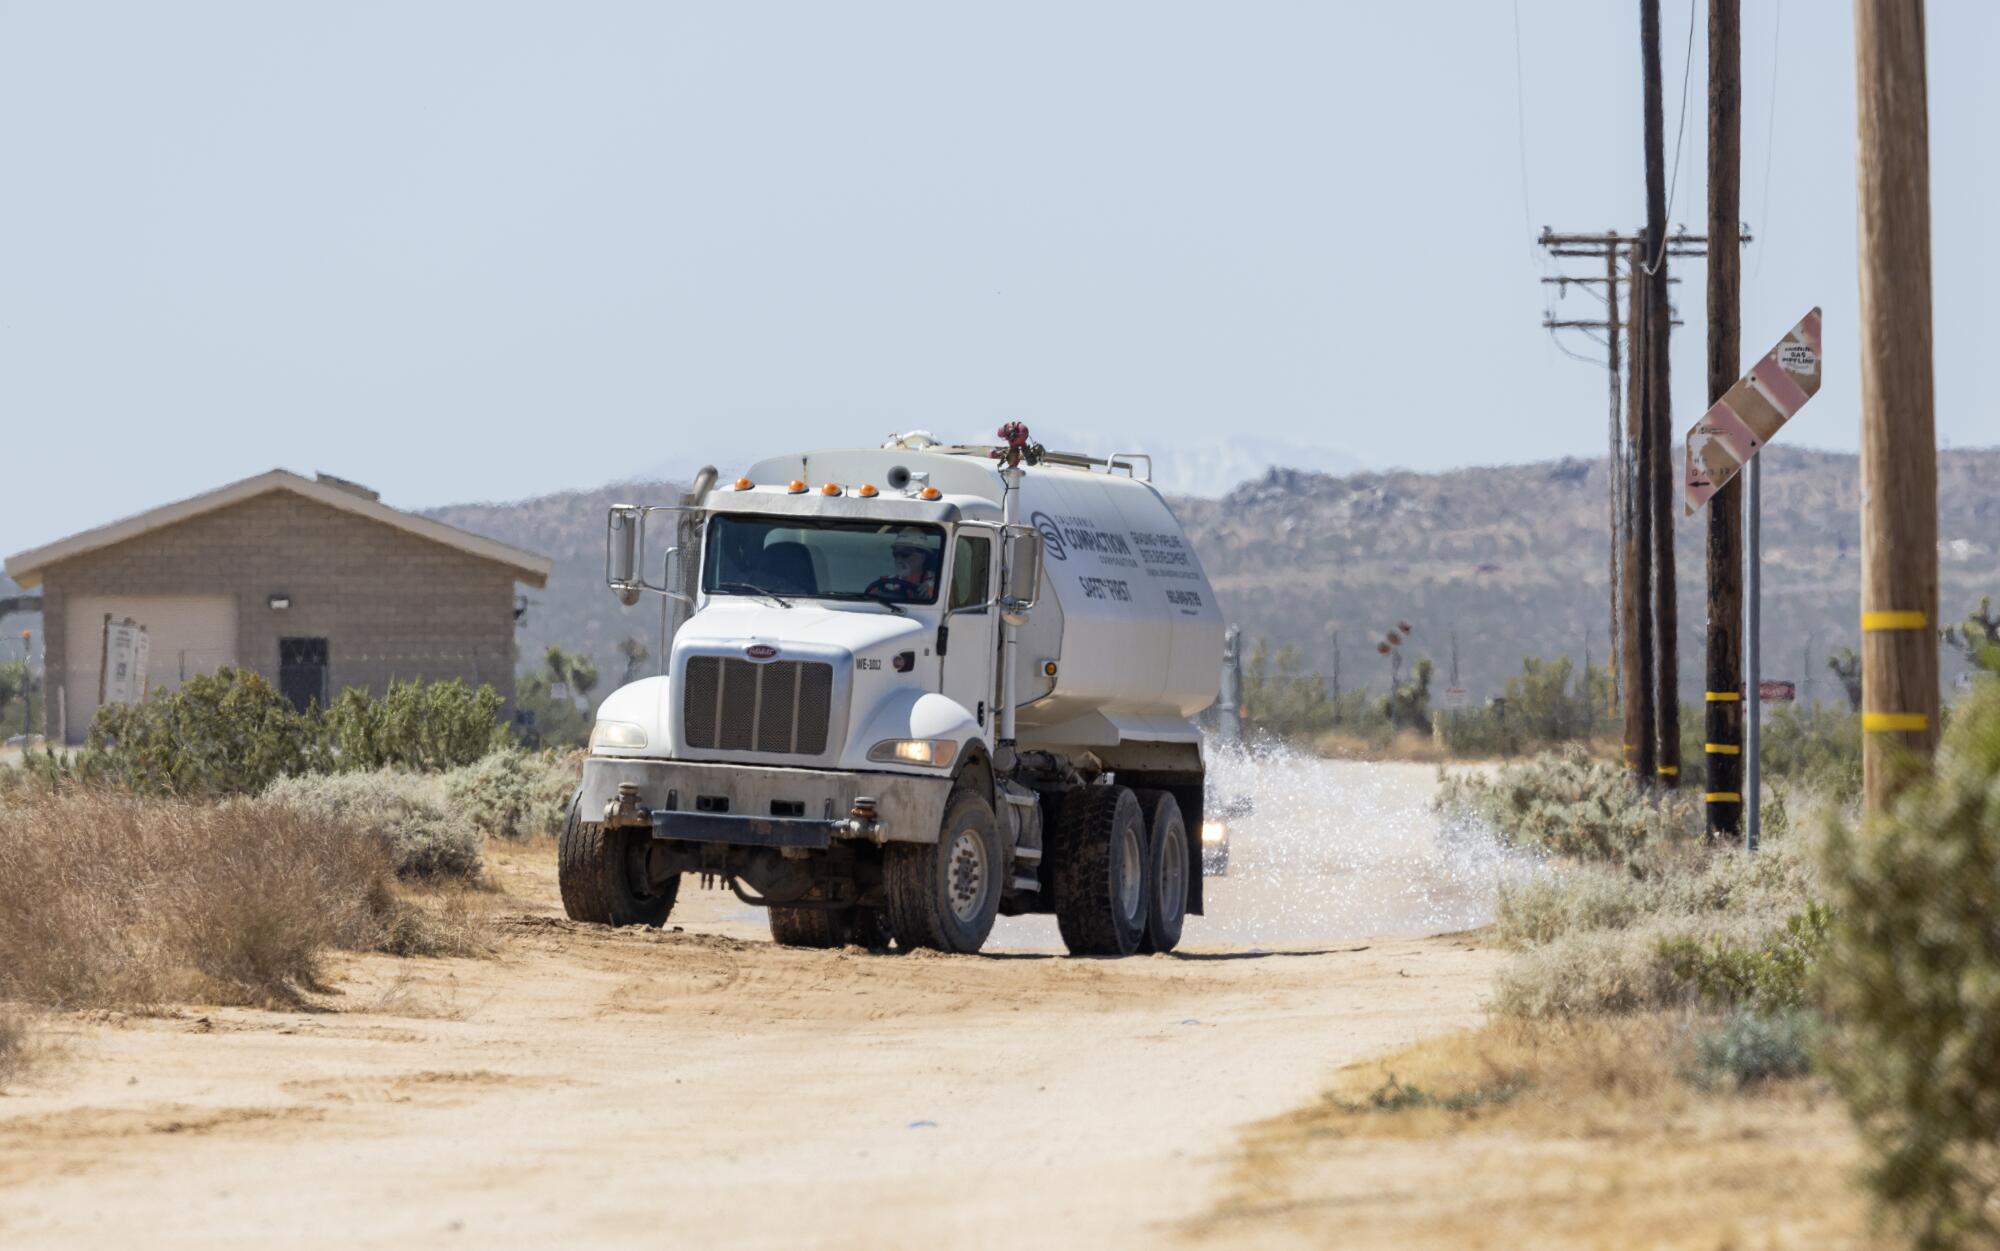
{"points": [[26, 567]]}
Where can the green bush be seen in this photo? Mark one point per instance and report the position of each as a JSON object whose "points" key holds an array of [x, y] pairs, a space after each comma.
{"points": [[1913, 985], [405, 813], [227, 732], [1594, 972], [511, 793], [1566, 803], [1693, 882], [1282, 699], [1546, 705], [1817, 748], [440, 725], [1753, 1047], [1773, 973]]}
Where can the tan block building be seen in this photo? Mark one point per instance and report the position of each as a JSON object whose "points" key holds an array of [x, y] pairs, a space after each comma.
{"points": [[314, 583]]}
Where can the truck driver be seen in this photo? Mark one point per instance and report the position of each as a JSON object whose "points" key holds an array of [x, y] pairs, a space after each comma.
{"points": [[913, 578]]}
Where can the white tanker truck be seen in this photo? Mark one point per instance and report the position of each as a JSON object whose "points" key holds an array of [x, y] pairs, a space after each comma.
{"points": [[907, 689]]}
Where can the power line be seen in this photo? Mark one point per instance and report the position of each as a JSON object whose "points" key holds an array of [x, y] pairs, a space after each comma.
{"points": [[1521, 140], [1770, 127], [1673, 184]]}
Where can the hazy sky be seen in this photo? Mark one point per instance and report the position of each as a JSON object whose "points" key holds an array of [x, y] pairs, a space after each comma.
{"points": [[484, 250]]}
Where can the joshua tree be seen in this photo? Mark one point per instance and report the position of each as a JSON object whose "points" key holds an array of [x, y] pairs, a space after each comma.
{"points": [[1846, 665], [574, 669], [636, 654], [1978, 636]]}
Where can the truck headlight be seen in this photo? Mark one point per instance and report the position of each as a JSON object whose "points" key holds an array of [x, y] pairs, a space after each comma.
{"points": [[620, 734], [933, 752], [1213, 832]]}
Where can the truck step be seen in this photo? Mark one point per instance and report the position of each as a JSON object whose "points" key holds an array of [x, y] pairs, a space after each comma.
{"points": [[1027, 883], [1031, 854]]}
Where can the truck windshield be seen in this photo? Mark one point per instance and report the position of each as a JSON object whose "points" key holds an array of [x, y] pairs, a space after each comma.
{"points": [[857, 560]]}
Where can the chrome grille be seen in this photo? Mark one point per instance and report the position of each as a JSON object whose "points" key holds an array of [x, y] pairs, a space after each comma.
{"points": [[782, 707]]}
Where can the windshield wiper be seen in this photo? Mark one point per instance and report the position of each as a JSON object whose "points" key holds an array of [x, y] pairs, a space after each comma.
{"points": [[751, 588], [889, 604]]}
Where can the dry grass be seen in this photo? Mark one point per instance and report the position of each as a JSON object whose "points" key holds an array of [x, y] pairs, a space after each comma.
{"points": [[16, 1053], [1400, 745], [1581, 1133], [118, 901]]}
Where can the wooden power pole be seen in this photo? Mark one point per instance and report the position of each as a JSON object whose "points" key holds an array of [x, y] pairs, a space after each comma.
{"points": [[1632, 502], [1899, 662], [1638, 589], [1656, 479], [1724, 702]]}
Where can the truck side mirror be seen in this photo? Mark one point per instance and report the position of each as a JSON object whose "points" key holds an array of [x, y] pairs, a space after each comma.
{"points": [[622, 551], [1022, 585]]}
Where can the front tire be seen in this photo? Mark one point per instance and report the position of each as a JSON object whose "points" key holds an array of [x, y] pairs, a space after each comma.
{"points": [[603, 877], [1167, 870], [944, 895], [1100, 872]]}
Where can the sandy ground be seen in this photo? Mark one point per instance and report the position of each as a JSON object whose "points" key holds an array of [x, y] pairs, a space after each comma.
{"points": [[701, 1087]]}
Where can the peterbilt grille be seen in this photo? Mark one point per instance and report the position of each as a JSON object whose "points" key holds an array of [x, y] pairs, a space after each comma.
{"points": [[783, 706]]}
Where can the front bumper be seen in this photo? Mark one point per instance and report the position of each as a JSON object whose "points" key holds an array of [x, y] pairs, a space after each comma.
{"points": [[762, 806]]}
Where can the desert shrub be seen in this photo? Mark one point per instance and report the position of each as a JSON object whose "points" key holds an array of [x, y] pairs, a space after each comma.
{"points": [[1546, 705], [1913, 985], [1598, 972], [1281, 698], [441, 922], [1569, 804], [512, 793], [118, 900], [1567, 898], [221, 733], [1774, 972], [415, 725], [1689, 882], [1752, 1047], [1817, 749], [401, 813]]}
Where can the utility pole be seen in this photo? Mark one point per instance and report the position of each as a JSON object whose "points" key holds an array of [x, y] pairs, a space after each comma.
{"points": [[1723, 704], [1639, 754], [1631, 498], [1614, 462], [1899, 661], [1656, 416]]}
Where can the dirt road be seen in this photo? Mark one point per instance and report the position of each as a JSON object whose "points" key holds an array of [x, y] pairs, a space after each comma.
{"points": [[704, 1088]]}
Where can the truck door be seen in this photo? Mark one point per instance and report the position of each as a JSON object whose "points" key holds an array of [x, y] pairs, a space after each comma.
{"points": [[967, 671]]}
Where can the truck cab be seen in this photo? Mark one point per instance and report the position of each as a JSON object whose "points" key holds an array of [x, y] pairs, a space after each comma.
{"points": [[867, 721]]}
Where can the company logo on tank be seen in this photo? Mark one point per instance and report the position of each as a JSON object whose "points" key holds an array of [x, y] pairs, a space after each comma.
{"points": [[1061, 534], [1052, 539]]}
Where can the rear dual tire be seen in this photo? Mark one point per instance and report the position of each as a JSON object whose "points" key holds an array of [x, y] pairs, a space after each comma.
{"points": [[1168, 867], [1099, 873]]}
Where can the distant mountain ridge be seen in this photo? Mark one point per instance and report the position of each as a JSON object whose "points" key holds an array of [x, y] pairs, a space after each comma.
{"points": [[1512, 559]]}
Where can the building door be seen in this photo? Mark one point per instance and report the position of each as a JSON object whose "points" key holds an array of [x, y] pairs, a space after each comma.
{"points": [[302, 671]]}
